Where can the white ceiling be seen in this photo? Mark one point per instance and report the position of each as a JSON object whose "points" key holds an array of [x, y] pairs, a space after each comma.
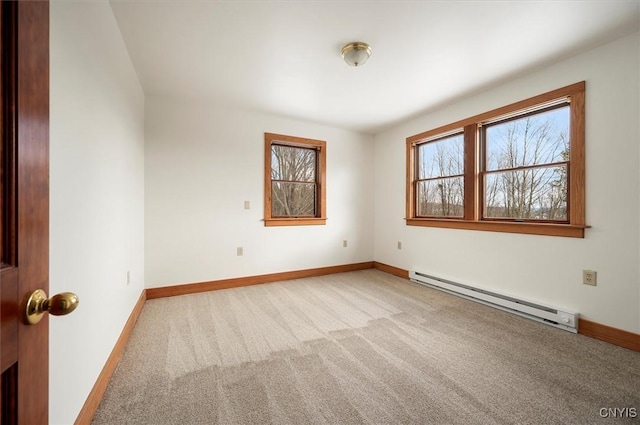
{"points": [[283, 57]]}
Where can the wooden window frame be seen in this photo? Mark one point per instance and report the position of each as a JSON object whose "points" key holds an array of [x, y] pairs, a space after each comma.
{"points": [[473, 196], [320, 146]]}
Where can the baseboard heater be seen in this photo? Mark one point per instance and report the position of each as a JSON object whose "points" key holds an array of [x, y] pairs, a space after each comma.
{"points": [[550, 315]]}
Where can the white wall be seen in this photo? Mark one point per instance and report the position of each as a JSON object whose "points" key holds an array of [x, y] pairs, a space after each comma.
{"points": [[97, 196], [203, 162], [541, 268]]}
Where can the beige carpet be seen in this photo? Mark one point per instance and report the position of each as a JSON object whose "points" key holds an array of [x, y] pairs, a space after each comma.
{"points": [[360, 348]]}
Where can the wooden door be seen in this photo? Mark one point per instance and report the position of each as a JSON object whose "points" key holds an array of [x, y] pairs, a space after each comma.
{"points": [[24, 208]]}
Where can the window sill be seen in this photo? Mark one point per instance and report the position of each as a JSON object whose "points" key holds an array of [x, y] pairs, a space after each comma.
{"points": [[306, 221], [548, 229]]}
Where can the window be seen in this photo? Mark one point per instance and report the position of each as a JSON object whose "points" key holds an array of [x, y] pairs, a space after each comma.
{"points": [[517, 169], [440, 177], [526, 160], [294, 181]]}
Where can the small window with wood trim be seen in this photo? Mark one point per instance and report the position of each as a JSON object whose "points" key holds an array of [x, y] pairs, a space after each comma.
{"points": [[295, 191], [517, 169]]}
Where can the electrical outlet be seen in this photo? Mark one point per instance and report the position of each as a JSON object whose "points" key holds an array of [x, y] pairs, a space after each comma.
{"points": [[128, 277], [589, 277], [247, 205], [399, 245], [239, 251], [344, 243]]}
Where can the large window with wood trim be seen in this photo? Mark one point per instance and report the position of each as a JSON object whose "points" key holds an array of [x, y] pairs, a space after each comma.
{"points": [[517, 169], [295, 192]]}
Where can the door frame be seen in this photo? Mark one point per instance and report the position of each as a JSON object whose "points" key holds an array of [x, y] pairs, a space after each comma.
{"points": [[25, 400]]}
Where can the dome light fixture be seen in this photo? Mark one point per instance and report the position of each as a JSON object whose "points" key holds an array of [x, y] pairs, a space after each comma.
{"points": [[356, 53]]}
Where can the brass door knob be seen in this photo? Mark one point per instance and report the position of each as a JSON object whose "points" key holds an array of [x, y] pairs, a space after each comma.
{"points": [[58, 305]]}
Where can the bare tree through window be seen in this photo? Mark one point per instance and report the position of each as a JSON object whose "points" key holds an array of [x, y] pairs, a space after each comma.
{"points": [[526, 167], [440, 183], [293, 181]]}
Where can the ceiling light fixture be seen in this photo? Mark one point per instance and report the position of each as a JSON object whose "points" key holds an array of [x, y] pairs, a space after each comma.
{"points": [[356, 53]]}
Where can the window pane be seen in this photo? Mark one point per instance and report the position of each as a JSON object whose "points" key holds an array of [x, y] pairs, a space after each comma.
{"points": [[293, 199], [441, 158], [534, 193], [535, 139], [441, 197], [293, 164]]}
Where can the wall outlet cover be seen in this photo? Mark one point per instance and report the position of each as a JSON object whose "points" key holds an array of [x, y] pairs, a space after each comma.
{"points": [[589, 277]]}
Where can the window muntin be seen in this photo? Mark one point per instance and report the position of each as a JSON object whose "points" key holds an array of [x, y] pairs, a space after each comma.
{"points": [[564, 211], [526, 163], [440, 177], [295, 190]]}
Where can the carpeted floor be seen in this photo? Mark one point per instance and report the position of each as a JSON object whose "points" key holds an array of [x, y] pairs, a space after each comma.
{"points": [[360, 348]]}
